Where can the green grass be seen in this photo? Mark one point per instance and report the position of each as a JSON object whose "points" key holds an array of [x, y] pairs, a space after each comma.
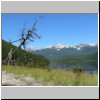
{"points": [[57, 77]]}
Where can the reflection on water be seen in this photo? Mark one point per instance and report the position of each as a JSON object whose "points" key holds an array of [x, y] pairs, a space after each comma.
{"points": [[88, 67]]}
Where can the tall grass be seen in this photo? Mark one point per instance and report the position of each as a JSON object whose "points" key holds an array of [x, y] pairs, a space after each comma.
{"points": [[56, 76]]}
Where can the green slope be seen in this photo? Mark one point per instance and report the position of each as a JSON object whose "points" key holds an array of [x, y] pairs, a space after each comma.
{"points": [[23, 57]]}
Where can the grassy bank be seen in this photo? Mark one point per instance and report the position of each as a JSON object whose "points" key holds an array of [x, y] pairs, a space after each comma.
{"points": [[57, 77]]}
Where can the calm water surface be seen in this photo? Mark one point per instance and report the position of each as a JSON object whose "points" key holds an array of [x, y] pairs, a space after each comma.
{"points": [[88, 67]]}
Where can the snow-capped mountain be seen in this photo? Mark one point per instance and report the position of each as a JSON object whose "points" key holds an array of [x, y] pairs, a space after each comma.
{"points": [[85, 45], [62, 46], [58, 46], [60, 50], [31, 49]]}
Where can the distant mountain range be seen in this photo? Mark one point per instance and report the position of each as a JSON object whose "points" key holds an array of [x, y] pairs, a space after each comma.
{"points": [[61, 51]]}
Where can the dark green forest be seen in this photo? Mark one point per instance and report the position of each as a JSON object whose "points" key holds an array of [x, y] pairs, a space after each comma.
{"points": [[22, 57]]}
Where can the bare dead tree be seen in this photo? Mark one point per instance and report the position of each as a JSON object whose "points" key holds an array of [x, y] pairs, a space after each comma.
{"points": [[28, 36], [9, 56]]}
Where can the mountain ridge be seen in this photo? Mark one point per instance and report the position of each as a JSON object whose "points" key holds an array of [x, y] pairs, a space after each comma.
{"points": [[57, 51], [61, 46]]}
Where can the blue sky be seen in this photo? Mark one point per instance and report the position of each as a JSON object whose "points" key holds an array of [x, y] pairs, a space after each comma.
{"points": [[69, 29]]}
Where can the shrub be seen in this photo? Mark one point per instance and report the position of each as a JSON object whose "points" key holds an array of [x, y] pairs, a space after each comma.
{"points": [[77, 70]]}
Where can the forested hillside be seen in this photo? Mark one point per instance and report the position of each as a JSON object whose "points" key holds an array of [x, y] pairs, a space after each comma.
{"points": [[22, 57]]}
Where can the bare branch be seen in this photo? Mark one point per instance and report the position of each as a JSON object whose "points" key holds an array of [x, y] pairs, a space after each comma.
{"points": [[34, 26], [16, 41], [31, 40], [36, 35], [36, 19]]}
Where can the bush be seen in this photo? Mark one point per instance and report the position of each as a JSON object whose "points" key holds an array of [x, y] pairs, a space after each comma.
{"points": [[77, 70]]}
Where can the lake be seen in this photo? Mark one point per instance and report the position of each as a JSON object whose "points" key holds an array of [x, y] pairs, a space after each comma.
{"points": [[87, 66]]}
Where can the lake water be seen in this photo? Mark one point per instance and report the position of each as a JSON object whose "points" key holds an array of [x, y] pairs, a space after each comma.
{"points": [[88, 67]]}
